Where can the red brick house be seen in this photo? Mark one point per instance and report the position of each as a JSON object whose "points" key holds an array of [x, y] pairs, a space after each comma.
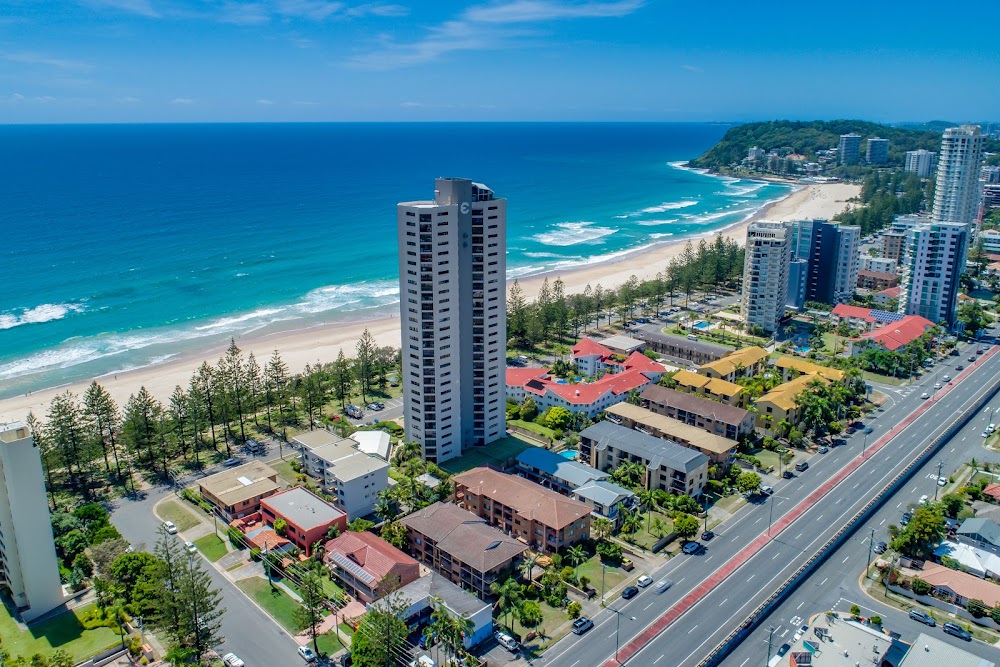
{"points": [[308, 517]]}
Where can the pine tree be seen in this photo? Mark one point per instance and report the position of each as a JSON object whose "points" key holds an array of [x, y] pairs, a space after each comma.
{"points": [[343, 378], [311, 612], [276, 385], [234, 375], [364, 362], [179, 405], [38, 434], [201, 608], [65, 432], [93, 410], [206, 389], [254, 384], [517, 327]]}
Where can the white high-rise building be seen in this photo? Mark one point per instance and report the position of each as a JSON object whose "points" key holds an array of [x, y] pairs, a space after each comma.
{"points": [[28, 565], [921, 162], [957, 189], [765, 274], [934, 260], [453, 312]]}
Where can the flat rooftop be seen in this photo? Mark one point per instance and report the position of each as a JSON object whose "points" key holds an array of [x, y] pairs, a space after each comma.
{"points": [[302, 508], [241, 483], [846, 644]]}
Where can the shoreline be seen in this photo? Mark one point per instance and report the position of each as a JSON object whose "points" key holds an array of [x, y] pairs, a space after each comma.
{"points": [[323, 341]]}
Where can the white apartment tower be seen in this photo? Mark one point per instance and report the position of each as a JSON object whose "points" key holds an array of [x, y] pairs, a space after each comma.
{"points": [[921, 162], [453, 312], [765, 274], [934, 260], [956, 190], [28, 566]]}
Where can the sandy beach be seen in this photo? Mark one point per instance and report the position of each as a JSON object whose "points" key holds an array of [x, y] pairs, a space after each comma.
{"points": [[323, 342]]}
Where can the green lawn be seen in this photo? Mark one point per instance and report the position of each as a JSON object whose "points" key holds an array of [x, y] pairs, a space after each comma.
{"points": [[172, 510], [538, 429], [64, 631], [329, 643], [275, 601], [592, 570], [330, 587], [552, 619], [211, 547], [497, 453], [646, 539], [769, 458], [285, 472]]}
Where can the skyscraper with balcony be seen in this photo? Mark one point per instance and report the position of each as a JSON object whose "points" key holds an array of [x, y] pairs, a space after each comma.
{"points": [[765, 274], [850, 148], [452, 286], [921, 162], [831, 250], [957, 189], [934, 260], [28, 566], [877, 151]]}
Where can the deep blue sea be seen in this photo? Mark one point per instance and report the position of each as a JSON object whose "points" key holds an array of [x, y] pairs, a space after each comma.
{"points": [[126, 245]]}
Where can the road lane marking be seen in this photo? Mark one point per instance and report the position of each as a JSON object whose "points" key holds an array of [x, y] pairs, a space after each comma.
{"points": [[692, 629], [899, 504], [881, 522], [751, 577], [844, 561], [823, 582], [661, 658], [800, 605], [744, 662], [724, 602]]}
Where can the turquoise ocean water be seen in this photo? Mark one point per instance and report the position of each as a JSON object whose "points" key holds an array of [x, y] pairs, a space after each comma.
{"points": [[127, 245]]}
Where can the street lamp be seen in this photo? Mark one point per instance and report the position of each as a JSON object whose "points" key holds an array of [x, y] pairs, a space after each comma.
{"points": [[864, 445], [267, 568], [770, 512], [618, 625]]}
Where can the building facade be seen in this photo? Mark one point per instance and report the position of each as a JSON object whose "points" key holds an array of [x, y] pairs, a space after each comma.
{"points": [[684, 348], [935, 259], [237, 492], [724, 420], [831, 250], [452, 284], [877, 151], [957, 189], [879, 264], [308, 517], [921, 162], [765, 275], [28, 566], [850, 148], [343, 470], [367, 565], [798, 274]]}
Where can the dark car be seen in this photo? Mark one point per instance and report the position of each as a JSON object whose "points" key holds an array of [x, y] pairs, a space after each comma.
{"points": [[630, 592], [691, 548], [787, 474], [955, 630], [880, 548], [867, 429], [707, 535], [581, 625], [783, 649], [905, 519]]}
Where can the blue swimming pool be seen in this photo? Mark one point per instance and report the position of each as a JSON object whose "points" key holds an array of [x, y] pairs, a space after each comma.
{"points": [[568, 454], [803, 349], [702, 325]]}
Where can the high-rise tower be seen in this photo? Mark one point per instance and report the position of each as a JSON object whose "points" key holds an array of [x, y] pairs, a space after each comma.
{"points": [[765, 274], [956, 190], [453, 315]]}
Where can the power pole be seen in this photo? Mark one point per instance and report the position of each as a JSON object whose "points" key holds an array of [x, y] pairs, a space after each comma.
{"points": [[936, 485], [770, 636], [868, 568]]}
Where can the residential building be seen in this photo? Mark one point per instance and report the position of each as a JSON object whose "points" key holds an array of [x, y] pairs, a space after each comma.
{"points": [[832, 253], [879, 264], [798, 276], [978, 562], [893, 245], [877, 151], [721, 419], [921, 162], [365, 563], [555, 472], [713, 388], [935, 259], [605, 499], [684, 348], [623, 345], [452, 285], [930, 651], [461, 547], [373, 443], [765, 275], [956, 188], [876, 280], [866, 319], [844, 642], [887, 298], [990, 174], [990, 239], [343, 470], [308, 518], [28, 566], [237, 492], [595, 359], [850, 148], [754, 154], [892, 336], [423, 595], [792, 367], [991, 196], [781, 403], [542, 518], [715, 447], [980, 533], [957, 587], [669, 466], [742, 363]]}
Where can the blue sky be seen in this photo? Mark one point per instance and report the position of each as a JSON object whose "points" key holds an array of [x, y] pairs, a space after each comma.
{"points": [[643, 60]]}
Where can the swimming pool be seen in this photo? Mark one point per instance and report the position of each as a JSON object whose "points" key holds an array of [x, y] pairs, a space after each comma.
{"points": [[568, 454], [701, 325], [803, 349]]}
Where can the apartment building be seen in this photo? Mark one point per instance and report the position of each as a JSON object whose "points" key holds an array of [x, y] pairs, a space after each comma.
{"points": [[366, 564], [832, 253], [877, 151], [545, 520], [957, 188], [237, 492], [711, 388], [742, 363], [715, 447], [849, 148], [683, 348], [935, 260], [343, 470], [452, 285], [765, 274], [921, 162], [727, 421], [461, 546], [29, 569], [308, 517]]}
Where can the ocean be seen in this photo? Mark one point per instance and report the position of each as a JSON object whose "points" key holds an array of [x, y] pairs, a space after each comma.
{"points": [[127, 245]]}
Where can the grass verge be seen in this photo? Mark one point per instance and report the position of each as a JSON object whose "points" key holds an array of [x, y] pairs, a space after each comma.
{"points": [[64, 632], [276, 602], [211, 547], [172, 510]]}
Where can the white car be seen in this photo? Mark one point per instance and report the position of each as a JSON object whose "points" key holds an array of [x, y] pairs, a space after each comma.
{"points": [[942, 481], [423, 661], [232, 660], [644, 581], [923, 500], [306, 653], [170, 527], [191, 548], [506, 641], [925, 395]]}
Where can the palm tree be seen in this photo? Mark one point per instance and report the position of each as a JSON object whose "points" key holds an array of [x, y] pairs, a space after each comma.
{"points": [[576, 555], [384, 508], [508, 596], [631, 522], [646, 500], [603, 527], [527, 567]]}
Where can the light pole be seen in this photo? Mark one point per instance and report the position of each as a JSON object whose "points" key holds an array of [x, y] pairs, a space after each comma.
{"points": [[770, 511], [267, 568], [770, 637], [871, 541], [864, 445], [937, 481], [618, 625]]}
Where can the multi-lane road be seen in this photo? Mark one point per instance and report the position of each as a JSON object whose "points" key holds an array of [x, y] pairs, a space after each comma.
{"points": [[712, 612]]}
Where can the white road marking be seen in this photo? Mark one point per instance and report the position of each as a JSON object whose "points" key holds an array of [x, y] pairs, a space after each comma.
{"points": [[881, 522], [648, 606], [800, 605], [823, 582], [724, 602], [692, 629], [758, 521], [845, 560], [798, 536], [751, 577], [899, 504], [661, 658], [742, 663]]}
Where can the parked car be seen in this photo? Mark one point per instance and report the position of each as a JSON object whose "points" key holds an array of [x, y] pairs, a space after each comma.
{"points": [[630, 592], [922, 617], [783, 649], [766, 490], [423, 661], [905, 519], [955, 630], [170, 527], [881, 547], [232, 660], [229, 463], [190, 547], [581, 625], [942, 481], [923, 499], [707, 535], [959, 367], [663, 584], [691, 548], [802, 466], [644, 581], [867, 429], [306, 654], [823, 450], [506, 641], [787, 474]]}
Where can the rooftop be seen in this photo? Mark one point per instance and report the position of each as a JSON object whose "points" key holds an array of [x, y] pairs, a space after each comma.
{"points": [[583, 393], [978, 561], [784, 395], [241, 483], [809, 368], [898, 334], [723, 412], [684, 433], [985, 528], [369, 557], [737, 360], [433, 586], [967, 585], [658, 452], [929, 651], [684, 342], [375, 443], [347, 460], [847, 644], [603, 492], [464, 535], [685, 378], [316, 438], [530, 500], [306, 510], [573, 473], [626, 344]]}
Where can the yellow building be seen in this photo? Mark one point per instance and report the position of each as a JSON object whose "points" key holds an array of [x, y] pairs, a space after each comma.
{"points": [[739, 364], [797, 364], [780, 403], [714, 388]]}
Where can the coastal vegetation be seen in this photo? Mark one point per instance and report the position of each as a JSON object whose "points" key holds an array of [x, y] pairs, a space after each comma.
{"points": [[884, 195]]}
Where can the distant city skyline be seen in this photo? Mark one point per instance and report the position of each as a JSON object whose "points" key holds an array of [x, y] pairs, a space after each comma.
{"points": [[491, 60]]}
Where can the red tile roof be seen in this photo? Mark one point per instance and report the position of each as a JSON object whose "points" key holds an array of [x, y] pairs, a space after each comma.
{"points": [[892, 292], [897, 334], [637, 361], [375, 556], [853, 312], [588, 346], [521, 376], [993, 491], [584, 393]]}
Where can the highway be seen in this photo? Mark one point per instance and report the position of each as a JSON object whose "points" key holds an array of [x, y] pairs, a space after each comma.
{"points": [[712, 611]]}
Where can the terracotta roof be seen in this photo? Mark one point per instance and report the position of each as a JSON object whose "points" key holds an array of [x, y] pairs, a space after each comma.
{"points": [[583, 393], [267, 537], [530, 500], [745, 358], [783, 396], [715, 386], [968, 586], [809, 368], [892, 292], [897, 334], [521, 376], [853, 312], [374, 555], [637, 361], [993, 491], [722, 412], [588, 346], [464, 536], [674, 429]]}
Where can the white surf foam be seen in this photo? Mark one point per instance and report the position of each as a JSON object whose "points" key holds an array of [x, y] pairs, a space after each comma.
{"points": [[572, 233], [46, 312]]}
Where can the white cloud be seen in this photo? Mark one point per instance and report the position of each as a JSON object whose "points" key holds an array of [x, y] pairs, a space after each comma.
{"points": [[317, 10], [30, 58], [412, 105], [264, 102], [479, 29], [375, 9], [692, 68], [182, 101], [244, 13], [140, 7]]}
